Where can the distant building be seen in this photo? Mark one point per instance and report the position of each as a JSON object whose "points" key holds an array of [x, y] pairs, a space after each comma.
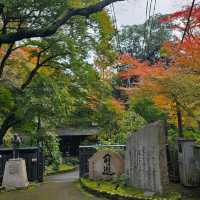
{"points": [[71, 138]]}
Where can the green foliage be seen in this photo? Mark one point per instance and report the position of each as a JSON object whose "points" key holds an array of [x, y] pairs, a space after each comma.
{"points": [[120, 180], [45, 137], [6, 99], [118, 124], [195, 134], [45, 98], [62, 168], [71, 161], [52, 151], [124, 191], [129, 124], [172, 135], [8, 139], [187, 133], [146, 108], [89, 93], [39, 14], [132, 122], [64, 55], [109, 119], [56, 85], [135, 39]]}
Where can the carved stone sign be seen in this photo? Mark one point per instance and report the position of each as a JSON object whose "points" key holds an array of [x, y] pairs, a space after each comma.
{"points": [[13, 169], [15, 175], [146, 161], [105, 164]]}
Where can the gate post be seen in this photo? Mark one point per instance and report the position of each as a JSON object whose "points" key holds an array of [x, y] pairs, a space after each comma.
{"points": [[189, 175], [40, 164], [85, 152], [197, 157]]}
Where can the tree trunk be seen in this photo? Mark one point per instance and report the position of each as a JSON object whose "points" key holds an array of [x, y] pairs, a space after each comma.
{"points": [[8, 123], [180, 122], [38, 130]]}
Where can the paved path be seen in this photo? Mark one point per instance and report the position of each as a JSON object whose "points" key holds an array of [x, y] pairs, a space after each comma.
{"points": [[58, 187], [66, 187], [68, 177]]}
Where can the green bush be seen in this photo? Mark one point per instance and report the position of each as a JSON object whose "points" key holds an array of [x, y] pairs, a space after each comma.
{"points": [[129, 123], [187, 133], [120, 180], [71, 161], [62, 168], [146, 108], [51, 149]]}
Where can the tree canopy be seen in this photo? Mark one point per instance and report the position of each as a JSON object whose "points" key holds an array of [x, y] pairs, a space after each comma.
{"points": [[145, 41], [27, 19], [44, 67]]}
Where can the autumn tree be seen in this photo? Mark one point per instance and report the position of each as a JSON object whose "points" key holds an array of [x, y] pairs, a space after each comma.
{"points": [[179, 21], [184, 53], [57, 51], [168, 88], [131, 68]]}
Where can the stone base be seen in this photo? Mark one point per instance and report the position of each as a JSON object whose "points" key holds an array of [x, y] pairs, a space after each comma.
{"points": [[15, 175]]}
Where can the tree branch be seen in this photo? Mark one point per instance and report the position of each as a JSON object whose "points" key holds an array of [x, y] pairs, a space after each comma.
{"points": [[53, 27], [6, 56], [8, 123], [35, 70]]}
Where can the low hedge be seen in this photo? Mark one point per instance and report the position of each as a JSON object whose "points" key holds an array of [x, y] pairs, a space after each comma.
{"points": [[115, 191]]}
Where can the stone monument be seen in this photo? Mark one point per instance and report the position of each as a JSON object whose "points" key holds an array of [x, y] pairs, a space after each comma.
{"points": [[146, 159], [15, 175], [105, 164]]}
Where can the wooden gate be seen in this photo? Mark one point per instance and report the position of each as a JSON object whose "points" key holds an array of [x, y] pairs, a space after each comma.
{"points": [[173, 164], [85, 152], [34, 162]]}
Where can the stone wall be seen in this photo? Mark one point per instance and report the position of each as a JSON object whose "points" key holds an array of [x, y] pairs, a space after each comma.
{"points": [[146, 160]]}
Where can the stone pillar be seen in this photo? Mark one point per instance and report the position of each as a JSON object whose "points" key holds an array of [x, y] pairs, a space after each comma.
{"points": [[15, 175], [146, 159], [189, 175]]}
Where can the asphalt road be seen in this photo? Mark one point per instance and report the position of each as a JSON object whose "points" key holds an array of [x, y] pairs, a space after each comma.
{"points": [[57, 187]]}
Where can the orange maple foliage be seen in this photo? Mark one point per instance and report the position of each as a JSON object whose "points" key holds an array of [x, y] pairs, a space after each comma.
{"points": [[117, 105], [185, 56], [138, 68], [180, 18], [92, 102], [22, 53]]}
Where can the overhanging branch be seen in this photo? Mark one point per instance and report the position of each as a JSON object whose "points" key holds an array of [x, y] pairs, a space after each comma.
{"points": [[53, 27]]}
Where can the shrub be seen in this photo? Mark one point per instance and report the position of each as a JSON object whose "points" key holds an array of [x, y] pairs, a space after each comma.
{"points": [[146, 108]]}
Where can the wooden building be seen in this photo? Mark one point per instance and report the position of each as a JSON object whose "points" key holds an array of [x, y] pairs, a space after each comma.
{"points": [[71, 138]]}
